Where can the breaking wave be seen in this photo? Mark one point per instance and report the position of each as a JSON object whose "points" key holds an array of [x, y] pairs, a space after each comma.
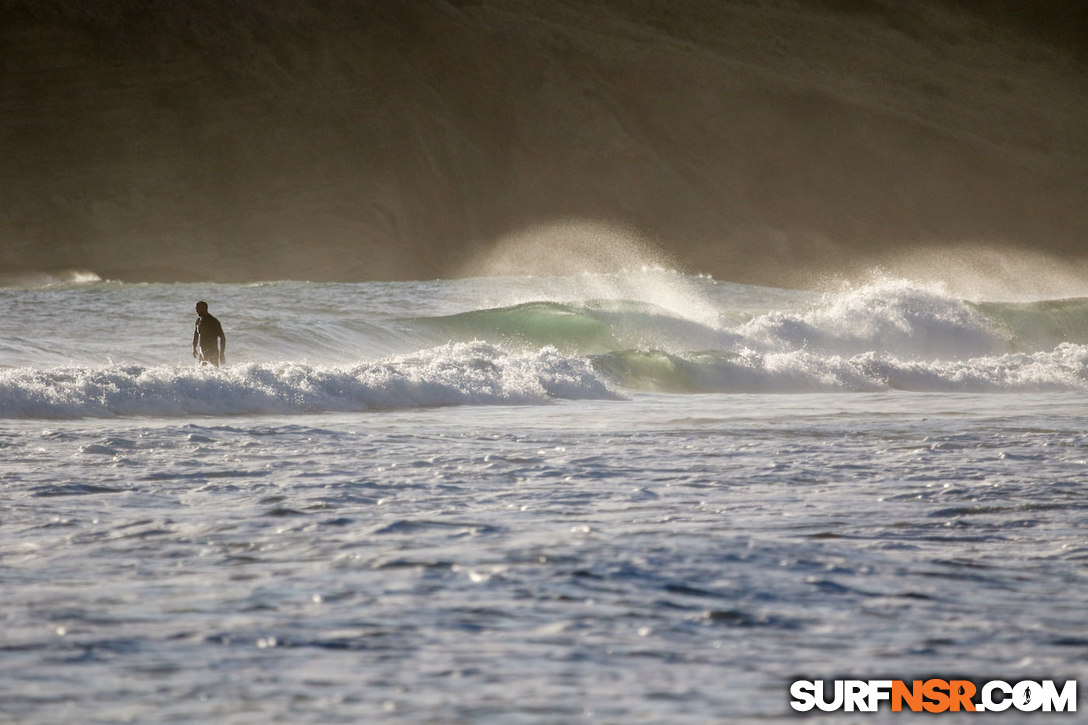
{"points": [[458, 374], [801, 371], [886, 335]]}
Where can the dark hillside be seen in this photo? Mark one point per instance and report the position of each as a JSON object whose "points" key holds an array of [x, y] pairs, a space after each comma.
{"points": [[756, 141]]}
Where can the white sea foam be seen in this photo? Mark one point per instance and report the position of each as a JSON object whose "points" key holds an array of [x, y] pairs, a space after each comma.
{"points": [[332, 348], [484, 374], [220, 526], [807, 371], [895, 316], [456, 374]]}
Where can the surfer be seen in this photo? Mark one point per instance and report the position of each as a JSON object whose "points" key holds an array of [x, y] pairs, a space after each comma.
{"points": [[209, 333]]}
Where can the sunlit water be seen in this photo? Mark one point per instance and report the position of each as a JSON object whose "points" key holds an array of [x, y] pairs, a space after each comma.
{"points": [[648, 498]]}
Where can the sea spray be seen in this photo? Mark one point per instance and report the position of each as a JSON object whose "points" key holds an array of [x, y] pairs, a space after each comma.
{"points": [[898, 316], [591, 326], [104, 349]]}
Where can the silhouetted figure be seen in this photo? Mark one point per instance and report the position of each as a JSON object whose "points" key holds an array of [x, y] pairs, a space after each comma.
{"points": [[209, 334]]}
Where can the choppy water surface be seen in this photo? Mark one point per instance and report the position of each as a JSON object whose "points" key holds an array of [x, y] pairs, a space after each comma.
{"points": [[491, 530]]}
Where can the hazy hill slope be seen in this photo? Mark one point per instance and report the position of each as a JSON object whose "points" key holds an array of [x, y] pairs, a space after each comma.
{"points": [[234, 140]]}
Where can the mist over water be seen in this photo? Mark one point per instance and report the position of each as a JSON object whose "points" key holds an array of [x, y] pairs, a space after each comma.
{"points": [[768, 142]]}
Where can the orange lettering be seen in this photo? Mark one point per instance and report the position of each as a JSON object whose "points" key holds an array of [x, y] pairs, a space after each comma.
{"points": [[961, 692], [912, 696], [935, 690]]}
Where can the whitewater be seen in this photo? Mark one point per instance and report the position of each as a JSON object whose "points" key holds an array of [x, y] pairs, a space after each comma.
{"points": [[642, 496]]}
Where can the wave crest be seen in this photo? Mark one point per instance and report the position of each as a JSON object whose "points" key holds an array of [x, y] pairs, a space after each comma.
{"points": [[456, 374], [893, 316], [803, 371]]}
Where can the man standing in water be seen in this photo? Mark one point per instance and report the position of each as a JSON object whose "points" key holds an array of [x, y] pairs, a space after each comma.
{"points": [[209, 333]]}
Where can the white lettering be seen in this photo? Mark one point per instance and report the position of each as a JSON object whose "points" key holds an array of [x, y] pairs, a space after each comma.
{"points": [[1065, 701], [856, 695], [988, 701], [804, 697], [879, 690], [821, 700], [994, 696], [1027, 696]]}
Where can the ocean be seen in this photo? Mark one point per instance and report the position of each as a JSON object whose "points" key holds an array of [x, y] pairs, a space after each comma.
{"points": [[634, 497]]}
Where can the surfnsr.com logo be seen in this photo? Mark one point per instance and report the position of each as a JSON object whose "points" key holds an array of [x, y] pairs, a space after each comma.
{"points": [[933, 696]]}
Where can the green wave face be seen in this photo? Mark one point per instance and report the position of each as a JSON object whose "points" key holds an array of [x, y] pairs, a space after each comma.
{"points": [[895, 336], [584, 328], [1040, 325], [532, 323], [662, 372]]}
